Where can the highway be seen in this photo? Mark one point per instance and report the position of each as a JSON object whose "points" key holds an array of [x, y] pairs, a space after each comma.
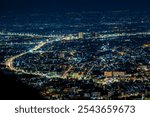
{"points": [[9, 62]]}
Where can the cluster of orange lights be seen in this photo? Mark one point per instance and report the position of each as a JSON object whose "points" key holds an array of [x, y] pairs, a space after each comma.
{"points": [[146, 45]]}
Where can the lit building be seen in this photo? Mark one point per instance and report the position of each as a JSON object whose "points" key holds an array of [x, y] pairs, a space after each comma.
{"points": [[117, 73], [80, 35], [146, 45], [108, 74], [142, 67]]}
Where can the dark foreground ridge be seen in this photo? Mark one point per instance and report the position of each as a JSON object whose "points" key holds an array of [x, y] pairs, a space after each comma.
{"points": [[10, 89]]}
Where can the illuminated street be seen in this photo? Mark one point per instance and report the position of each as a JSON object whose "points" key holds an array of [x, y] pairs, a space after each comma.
{"points": [[91, 55]]}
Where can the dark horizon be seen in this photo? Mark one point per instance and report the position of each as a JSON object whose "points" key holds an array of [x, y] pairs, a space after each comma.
{"points": [[46, 6]]}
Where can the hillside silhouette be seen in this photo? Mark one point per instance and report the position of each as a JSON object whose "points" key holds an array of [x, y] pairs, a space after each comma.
{"points": [[10, 89]]}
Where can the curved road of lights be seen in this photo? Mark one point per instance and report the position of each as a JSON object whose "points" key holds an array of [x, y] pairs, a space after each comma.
{"points": [[9, 62]]}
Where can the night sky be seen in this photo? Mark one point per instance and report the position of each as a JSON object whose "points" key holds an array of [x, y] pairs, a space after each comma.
{"points": [[23, 6]]}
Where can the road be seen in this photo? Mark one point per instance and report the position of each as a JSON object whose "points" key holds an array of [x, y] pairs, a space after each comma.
{"points": [[9, 62], [69, 69]]}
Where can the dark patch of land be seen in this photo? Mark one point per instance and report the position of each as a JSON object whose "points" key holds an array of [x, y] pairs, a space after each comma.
{"points": [[12, 89]]}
